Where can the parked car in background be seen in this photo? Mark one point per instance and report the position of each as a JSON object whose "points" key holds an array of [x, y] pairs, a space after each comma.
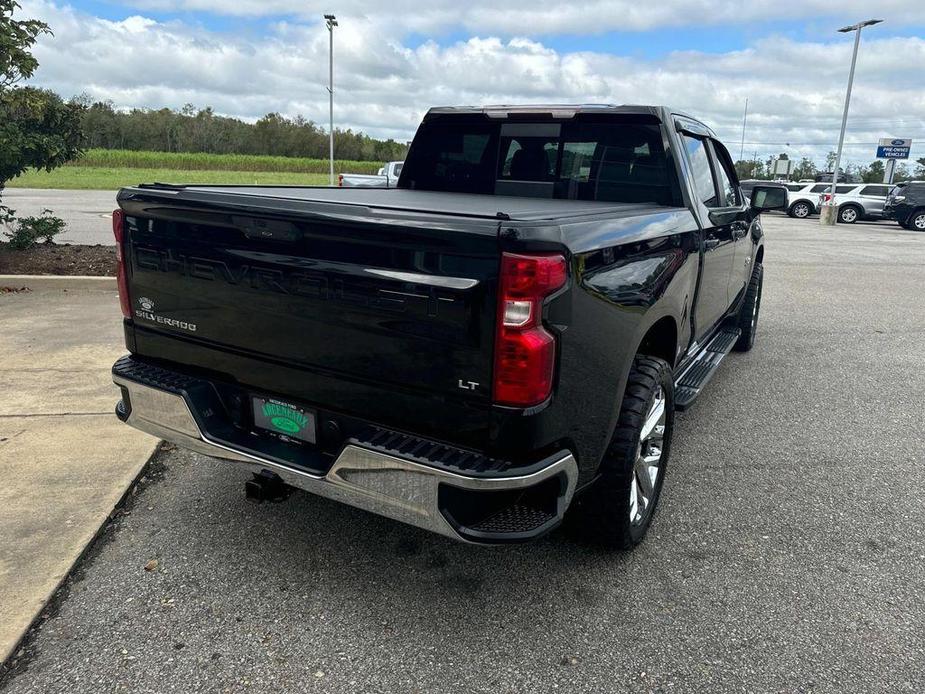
{"points": [[857, 200], [386, 177], [802, 198], [906, 204]]}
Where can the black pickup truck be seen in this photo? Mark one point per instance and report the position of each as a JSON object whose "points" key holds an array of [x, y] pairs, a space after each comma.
{"points": [[500, 340]]}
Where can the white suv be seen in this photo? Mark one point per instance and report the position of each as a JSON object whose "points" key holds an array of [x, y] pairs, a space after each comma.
{"points": [[803, 198], [857, 200]]}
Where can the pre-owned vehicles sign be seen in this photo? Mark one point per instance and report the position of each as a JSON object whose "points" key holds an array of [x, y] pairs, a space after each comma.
{"points": [[894, 148]]}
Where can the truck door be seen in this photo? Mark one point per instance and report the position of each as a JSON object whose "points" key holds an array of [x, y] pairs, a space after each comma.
{"points": [[718, 242], [732, 213]]}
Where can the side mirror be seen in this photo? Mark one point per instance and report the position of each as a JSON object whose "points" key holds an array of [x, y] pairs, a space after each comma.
{"points": [[766, 198]]}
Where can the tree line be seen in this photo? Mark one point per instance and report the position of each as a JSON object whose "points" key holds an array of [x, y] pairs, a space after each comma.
{"points": [[806, 168], [192, 129]]}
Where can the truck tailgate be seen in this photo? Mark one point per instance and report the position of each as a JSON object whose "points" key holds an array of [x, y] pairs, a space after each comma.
{"points": [[383, 301]]}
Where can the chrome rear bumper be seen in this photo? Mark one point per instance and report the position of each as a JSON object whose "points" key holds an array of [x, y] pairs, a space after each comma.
{"points": [[384, 484]]}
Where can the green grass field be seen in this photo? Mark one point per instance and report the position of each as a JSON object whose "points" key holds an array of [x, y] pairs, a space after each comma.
{"points": [[129, 159], [108, 169], [101, 178]]}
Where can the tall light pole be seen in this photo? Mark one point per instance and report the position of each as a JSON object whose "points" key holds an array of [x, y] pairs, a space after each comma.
{"points": [[331, 23], [828, 216], [744, 121]]}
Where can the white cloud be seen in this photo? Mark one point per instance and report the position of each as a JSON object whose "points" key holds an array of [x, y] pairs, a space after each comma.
{"points": [[531, 18], [795, 89]]}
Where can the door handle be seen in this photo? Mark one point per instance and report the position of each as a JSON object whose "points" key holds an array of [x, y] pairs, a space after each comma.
{"points": [[710, 243]]}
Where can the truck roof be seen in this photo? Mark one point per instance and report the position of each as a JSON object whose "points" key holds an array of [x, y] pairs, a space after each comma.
{"points": [[663, 113]]}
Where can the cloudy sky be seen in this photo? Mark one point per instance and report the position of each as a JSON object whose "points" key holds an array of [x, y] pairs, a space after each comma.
{"points": [[394, 59]]}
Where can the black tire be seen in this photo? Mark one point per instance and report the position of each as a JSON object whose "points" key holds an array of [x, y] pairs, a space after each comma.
{"points": [[849, 214], [916, 221], [748, 313], [800, 209], [602, 513]]}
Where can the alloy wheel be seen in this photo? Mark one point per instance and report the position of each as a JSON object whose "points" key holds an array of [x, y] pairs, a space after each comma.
{"points": [[919, 221], [849, 215], [647, 467], [801, 210]]}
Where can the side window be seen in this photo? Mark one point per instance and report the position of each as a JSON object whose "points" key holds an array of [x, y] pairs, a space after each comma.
{"points": [[875, 190], [821, 188], [700, 168], [842, 190], [728, 195]]}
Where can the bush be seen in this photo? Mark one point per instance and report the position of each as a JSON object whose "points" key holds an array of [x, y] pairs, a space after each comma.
{"points": [[27, 231]]}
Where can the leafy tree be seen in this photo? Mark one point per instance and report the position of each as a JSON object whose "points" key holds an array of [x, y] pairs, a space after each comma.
{"points": [[37, 128], [874, 172], [920, 168], [805, 168], [16, 39], [749, 169]]}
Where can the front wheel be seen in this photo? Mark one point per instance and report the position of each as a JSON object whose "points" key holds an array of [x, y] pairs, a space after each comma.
{"points": [[800, 210], [917, 221], [617, 510]]}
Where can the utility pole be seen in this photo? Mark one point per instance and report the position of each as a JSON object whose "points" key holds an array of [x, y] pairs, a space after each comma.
{"points": [[889, 170], [744, 121], [828, 216], [331, 22]]}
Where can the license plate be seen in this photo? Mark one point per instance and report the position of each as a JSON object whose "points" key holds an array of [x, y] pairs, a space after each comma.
{"points": [[284, 419]]}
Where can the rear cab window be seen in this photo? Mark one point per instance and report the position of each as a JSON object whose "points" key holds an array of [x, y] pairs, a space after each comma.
{"points": [[610, 158]]}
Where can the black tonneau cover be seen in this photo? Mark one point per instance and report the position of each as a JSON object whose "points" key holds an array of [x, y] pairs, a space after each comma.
{"points": [[397, 199]]}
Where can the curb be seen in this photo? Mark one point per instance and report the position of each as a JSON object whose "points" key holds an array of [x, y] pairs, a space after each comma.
{"points": [[59, 282]]}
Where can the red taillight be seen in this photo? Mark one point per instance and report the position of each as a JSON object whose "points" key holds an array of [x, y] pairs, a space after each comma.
{"points": [[340, 179], [118, 230], [525, 353]]}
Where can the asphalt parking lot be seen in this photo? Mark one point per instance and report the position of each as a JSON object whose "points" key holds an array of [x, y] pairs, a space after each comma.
{"points": [[788, 554], [86, 212]]}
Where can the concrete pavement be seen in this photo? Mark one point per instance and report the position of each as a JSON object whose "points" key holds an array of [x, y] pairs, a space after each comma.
{"points": [[65, 460], [87, 212]]}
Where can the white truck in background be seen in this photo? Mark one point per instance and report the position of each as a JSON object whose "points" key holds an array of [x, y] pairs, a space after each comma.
{"points": [[386, 177]]}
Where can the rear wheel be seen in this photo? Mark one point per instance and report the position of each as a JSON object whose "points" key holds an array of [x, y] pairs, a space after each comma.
{"points": [[800, 209], [917, 221], [849, 214], [617, 510]]}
